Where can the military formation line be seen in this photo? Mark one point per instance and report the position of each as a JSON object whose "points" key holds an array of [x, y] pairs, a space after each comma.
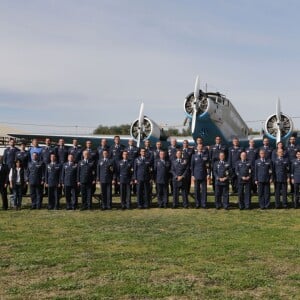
{"points": [[147, 172]]}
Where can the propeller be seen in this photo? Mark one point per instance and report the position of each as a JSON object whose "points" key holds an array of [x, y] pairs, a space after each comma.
{"points": [[196, 98], [140, 124], [278, 121]]}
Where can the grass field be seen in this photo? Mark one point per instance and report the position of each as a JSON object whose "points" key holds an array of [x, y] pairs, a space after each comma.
{"points": [[150, 254]]}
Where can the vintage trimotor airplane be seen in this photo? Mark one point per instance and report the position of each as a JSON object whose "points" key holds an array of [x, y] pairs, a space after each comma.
{"points": [[209, 115]]}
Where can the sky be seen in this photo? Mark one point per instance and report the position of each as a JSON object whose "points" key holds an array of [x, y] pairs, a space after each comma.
{"points": [[71, 65]]}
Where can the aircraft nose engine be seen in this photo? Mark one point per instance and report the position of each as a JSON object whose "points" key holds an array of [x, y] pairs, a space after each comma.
{"points": [[285, 125], [202, 105], [144, 128]]}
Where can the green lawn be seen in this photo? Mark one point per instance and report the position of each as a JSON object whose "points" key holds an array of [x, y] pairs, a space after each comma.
{"points": [[150, 254]]}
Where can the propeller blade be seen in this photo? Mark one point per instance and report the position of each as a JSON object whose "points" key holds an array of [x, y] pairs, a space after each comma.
{"points": [[278, 121], [141, 115], [194, 120], [197, 88], [196, 98], [278, 111], [141, 121]]}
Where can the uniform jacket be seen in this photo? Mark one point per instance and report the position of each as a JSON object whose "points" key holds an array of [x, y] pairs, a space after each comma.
{"points": [[221, 170], [24, 157], [142, 170], [179, 168], [215, 150], [281, 169], [86, 173], [295, 172], [53, 174], [35, 172], [124, 171], [263, 170], [243, 169], [105, 170], [45, 154], [199, 166], [9, 156], [76, 152], [162, 171], [234, 155], [69, 174]]}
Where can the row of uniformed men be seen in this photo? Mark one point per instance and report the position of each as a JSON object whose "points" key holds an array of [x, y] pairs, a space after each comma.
{"points": [[183, 166]]}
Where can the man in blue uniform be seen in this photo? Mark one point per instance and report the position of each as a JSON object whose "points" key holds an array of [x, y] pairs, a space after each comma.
{"points": [[291, 150], [234, 155], [200, 173], [156, 151], [4, 172], [9, 154], [214, 154], [187, 153], [133, 153], [124, 178], [46, 152], [172, 149], [295, 177], [142, 176], [266, 147], [76, 151], [116, 154], [105, 171], [263, 178], [52, 181], [103, 147], [179, 170], [93, 154], [222, 172], [281, 169], [161, 174], [86, 178], [93, 158], [69, 182], [243, 170], [61, 152], [252, 156], [36, 179]]}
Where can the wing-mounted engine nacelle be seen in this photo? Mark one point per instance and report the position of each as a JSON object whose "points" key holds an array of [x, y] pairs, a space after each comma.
{"points": [[201, 105], [149, 130], [286, 126]]}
